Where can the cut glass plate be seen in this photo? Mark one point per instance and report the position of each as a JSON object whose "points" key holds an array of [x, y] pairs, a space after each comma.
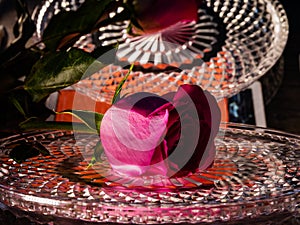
{"points": [[256, 173], [231, 45]]}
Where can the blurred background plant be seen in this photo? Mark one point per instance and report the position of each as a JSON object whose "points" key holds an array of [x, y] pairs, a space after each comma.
{"points": [[34, 65]]}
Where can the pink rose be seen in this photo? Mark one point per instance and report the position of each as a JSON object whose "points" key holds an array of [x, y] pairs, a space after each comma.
{"points": [[154, 15], [170, 135]]}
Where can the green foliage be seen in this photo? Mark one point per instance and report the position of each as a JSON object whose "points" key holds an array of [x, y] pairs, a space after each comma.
{"points": [[57, 66], [33, 124], [98, 150], [53, 70], [90, 118], [58, 70]]}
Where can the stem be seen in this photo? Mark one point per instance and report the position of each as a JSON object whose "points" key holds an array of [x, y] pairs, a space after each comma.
{"points": [[119, 88]]}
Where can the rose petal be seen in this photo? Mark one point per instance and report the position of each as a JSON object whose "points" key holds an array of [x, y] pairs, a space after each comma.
{"points": [[143, 103], [173, 126], [129, 138], [215, 113], [200, 154], [158, 163]]}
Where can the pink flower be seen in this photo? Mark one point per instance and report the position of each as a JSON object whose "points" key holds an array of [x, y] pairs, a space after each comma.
{"points": [[154, 15], [171, 135]]}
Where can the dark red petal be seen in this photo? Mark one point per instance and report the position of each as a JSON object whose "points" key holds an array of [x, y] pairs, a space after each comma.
{"points": [[197, 109], [143, 103], [191, 152]]}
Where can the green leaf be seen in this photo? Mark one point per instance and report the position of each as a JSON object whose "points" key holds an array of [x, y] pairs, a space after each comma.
{"points": [[98, 151], [14, 68], [97, 154], [75, 23], [17, 104], [91, 119], [26, 150], [120, 86], [33, 124], [57, 70]]}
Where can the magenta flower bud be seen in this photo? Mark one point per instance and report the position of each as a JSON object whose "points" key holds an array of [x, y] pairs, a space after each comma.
{"points": [[170, 135]]}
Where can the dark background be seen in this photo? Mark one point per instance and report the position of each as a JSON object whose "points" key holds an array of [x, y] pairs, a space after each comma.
{"points": [[283, 112], [283, 107]]}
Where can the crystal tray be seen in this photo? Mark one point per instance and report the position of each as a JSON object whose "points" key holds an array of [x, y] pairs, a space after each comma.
{"points": [[256, 173], [231, 45]]}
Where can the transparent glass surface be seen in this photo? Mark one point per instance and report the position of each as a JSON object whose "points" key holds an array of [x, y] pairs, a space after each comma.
{"points": [[256, 173], [231, 45]]}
